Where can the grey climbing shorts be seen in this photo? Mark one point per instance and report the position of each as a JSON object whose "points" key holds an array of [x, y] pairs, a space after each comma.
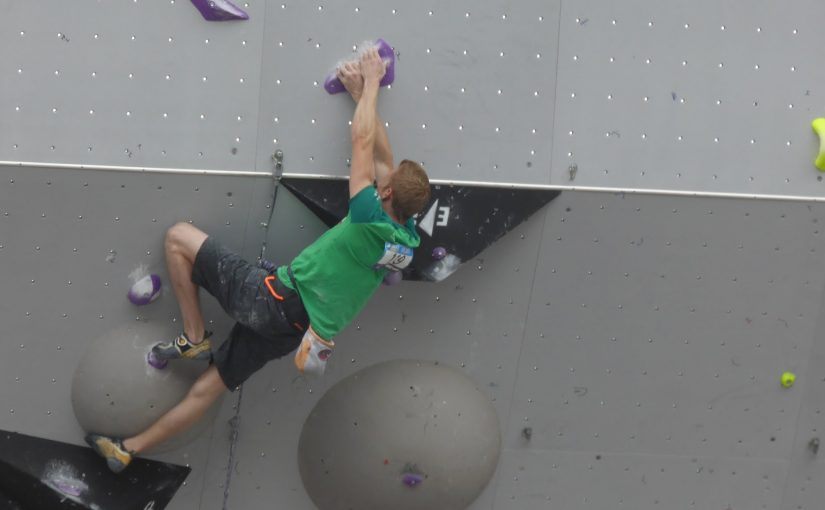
{"points": [[270, 319]]}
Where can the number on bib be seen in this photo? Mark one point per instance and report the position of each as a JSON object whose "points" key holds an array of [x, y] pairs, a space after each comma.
{"points": [[396, 257]]}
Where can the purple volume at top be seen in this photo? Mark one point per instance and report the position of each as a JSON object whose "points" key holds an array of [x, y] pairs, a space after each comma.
{"points": [[219, 10], [333, 85]]}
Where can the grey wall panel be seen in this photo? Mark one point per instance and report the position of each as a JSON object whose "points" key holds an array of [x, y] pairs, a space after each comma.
{"points": [[703, 96], [637, 340], [579, 480], [474, 320], [293, 228], [129, 83], [217, 482], [661, 325], [274, 403], [473, 96], [805, 486], [69, 241]]}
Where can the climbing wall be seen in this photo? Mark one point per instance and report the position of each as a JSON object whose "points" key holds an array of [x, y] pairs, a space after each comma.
{"points": [[631, 335], [700, 96], [455, 66], [136, 84]]}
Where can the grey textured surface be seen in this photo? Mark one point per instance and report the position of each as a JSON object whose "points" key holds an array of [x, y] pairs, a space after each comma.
{"points": [[129, 84], [661, 325], [803, 487], [69, 241], [473, 97], [656, 333], [701, 96], [566, 479], [713, 286], [153, 85], [398, 419]]}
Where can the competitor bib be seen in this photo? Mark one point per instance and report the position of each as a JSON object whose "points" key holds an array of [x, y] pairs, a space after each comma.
{"points": [[396, 257]]}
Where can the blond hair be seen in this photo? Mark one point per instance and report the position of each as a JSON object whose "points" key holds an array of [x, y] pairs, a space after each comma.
{"points": [[410, 190]]}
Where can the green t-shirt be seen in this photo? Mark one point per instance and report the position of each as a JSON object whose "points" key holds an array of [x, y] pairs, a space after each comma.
{"points": [[338, 273]]}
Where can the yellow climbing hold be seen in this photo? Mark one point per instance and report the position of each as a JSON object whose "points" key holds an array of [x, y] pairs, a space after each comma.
{"points": [[788, 379], [819, 128]]}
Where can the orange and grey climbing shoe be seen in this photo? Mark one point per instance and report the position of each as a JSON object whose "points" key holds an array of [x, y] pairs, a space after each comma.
{"points": [[182, 348], [111, 449]]}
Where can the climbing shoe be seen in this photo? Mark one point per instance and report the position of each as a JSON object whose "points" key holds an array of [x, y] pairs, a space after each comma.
{"points": [[111, 449], [182, 348]]}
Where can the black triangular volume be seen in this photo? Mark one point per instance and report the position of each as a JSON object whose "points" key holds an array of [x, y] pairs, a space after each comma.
{"points": [[324, 197], [458, 224], [17, 487], [462, 221], [6, 503], [42, 474]]}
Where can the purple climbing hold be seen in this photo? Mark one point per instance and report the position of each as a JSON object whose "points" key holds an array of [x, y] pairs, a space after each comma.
{"points": [[393, 277], [145, 290], [412, 479], [439, 252], [333, 85], [219, 10], [156, 362], [69, 487]]}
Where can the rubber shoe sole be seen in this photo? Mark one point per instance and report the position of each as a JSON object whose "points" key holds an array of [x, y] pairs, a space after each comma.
{"points": [[117, 458], [182, 348]]}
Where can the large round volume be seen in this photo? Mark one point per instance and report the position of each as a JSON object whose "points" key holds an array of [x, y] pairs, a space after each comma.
{"points": [[115, 392], [403, 435]]}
